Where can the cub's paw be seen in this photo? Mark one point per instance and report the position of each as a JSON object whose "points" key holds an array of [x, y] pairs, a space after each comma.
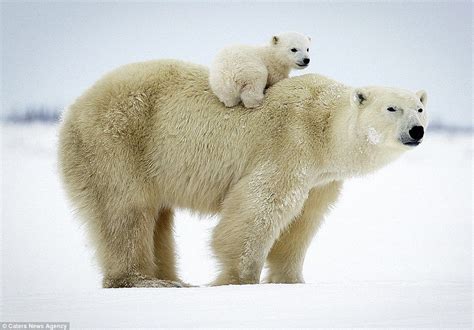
{"points": [[251, 103], [231, 102]]}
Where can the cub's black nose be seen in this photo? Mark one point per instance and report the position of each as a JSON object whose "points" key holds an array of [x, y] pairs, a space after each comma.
{"points": [[306, 61], [416, 132]]}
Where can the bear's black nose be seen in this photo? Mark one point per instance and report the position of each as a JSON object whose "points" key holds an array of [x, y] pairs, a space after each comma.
{"points": [[306, 61], [416, 132]]}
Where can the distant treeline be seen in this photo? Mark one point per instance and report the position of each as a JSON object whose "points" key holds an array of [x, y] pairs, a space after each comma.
{"points": [[34, 114], [44, 114], [449, 128]]}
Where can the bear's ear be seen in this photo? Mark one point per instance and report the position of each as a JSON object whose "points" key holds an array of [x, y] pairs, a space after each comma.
{"points": [[309, 38], [360, 97], [422, 96], [275, 40]]}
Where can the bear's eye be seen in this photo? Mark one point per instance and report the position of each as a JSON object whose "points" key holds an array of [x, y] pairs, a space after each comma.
{"points": [[391, 109], [307, 49], [420, 110], [294, 50]]}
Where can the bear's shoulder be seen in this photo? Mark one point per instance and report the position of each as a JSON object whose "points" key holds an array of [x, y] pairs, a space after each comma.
{"points": [[308, 87]]}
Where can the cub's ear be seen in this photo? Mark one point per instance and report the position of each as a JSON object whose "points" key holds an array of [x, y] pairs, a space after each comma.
{"points": [[422, 96], [309, 38], [360, 97], [275, 40]]}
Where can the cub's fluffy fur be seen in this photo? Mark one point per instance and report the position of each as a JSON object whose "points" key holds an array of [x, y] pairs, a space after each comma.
{"points": [[242, 72], [151, 137]]}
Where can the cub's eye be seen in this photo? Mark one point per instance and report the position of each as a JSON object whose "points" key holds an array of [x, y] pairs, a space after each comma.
{"points": [[294, 50], [307, 49], [391, 109], [420, 110]]}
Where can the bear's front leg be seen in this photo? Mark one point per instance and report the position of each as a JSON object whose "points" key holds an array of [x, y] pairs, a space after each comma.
{"points": [[254, 213], [286, 257]]}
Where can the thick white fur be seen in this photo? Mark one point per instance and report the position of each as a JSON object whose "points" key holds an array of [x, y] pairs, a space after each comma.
{"points": [[241, 73], [151, 137]]}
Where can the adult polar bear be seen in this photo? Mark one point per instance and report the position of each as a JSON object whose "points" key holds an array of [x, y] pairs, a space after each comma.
{"points": [[151, 137]]}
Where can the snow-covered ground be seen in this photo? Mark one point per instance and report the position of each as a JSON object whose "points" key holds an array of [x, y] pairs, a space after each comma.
{"points": [[395, 252]]}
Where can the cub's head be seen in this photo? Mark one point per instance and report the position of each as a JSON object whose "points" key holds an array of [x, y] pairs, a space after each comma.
{"points": [[292, 49], [390, 117]]}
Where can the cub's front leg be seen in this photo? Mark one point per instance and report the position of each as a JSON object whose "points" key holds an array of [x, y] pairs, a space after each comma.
{"points": [[254, 213], [286, 257]]}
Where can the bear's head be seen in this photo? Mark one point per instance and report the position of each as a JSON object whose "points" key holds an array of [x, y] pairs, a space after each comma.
{"points": [[292, 49], [390, 117]]}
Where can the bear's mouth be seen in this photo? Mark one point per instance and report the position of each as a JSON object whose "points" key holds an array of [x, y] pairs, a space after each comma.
{"points": [[412, 143], [302, 65], [408, 141]]}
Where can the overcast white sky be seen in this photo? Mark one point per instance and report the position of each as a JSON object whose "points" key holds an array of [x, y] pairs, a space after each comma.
{"points": [[51, 52]]}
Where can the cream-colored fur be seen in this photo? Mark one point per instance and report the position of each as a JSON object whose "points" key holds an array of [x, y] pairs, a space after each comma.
{"points": [[151, 137], [242, 72]]}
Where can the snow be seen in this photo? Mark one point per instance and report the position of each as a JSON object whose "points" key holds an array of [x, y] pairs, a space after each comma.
{"points": [[373, 136], [396, 251]]}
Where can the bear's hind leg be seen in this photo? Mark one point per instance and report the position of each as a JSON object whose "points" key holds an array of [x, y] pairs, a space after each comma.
{"points": [[227, 93], [164, 247], [252, 93], [231, 100], [126, 251]]}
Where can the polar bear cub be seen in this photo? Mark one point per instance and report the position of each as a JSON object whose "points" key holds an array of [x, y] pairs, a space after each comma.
{"points": [[241, 72]]}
